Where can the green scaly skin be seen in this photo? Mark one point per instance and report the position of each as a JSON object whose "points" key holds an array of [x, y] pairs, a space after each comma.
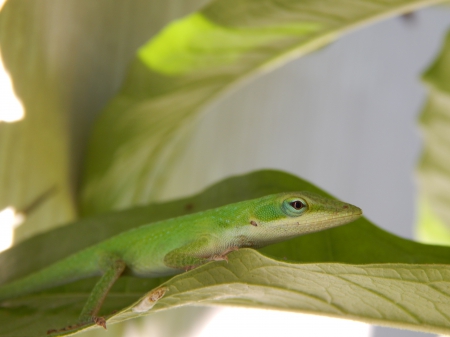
{"points": [[179, 244]]}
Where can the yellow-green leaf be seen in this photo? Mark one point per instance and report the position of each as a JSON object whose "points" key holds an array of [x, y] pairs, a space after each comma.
{"points": [[143, 131], [434, 166]]}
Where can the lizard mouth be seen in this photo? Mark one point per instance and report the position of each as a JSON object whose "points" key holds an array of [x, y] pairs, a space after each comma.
{"points": [[336, 220], [346, 218]]}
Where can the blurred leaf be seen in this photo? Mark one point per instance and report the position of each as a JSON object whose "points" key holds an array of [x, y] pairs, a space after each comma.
{"points": [[430, 228], [66, 59], [434, 166], [142, 132], [405, 277]]}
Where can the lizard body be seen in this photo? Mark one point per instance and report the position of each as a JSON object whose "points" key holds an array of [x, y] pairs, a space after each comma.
{"points": [[175, 245]]}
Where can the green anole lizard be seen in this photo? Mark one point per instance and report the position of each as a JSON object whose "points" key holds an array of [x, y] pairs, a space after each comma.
{"points": [[172, 246]]}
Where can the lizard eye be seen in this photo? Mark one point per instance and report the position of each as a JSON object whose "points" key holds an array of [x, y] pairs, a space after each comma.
{"points": [[294, 206], [297, 204]]}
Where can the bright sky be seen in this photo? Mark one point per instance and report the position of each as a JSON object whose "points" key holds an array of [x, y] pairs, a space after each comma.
{"points": [[11, 108], [8, 221]]}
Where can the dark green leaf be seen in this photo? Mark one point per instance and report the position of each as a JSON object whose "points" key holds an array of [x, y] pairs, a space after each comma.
{"points": [[359, 271]]}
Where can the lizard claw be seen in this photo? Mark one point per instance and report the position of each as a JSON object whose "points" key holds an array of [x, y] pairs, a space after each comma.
{"points": [[219, 258], [223, 256], [187, 268]]}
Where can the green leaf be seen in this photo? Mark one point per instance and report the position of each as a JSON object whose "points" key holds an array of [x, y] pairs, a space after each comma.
{"points": [[355, 271], [398, 295], [434, 166], [143, 131], [66, 60], [32, 161]]}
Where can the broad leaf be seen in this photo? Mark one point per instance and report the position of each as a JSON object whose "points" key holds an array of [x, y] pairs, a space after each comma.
{"points": [[356, 271], [398, 295], [66, 59], [142, 132]]}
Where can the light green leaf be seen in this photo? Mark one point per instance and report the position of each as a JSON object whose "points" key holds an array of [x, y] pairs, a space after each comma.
{"points": [[197, 44], [431, 229], [434, 166], [66, 59], [355, 271], [32, 161], [142, 132], [398, 295]]}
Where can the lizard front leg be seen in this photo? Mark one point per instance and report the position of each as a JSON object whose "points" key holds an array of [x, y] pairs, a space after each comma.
{"points": [[195, 254], [223, 256]]}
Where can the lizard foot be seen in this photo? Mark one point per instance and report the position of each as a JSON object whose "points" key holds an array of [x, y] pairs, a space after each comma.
{"points": [[223, 256]]}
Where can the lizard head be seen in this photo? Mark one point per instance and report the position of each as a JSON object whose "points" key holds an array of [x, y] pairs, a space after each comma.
{"points": [[282, 216]]}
